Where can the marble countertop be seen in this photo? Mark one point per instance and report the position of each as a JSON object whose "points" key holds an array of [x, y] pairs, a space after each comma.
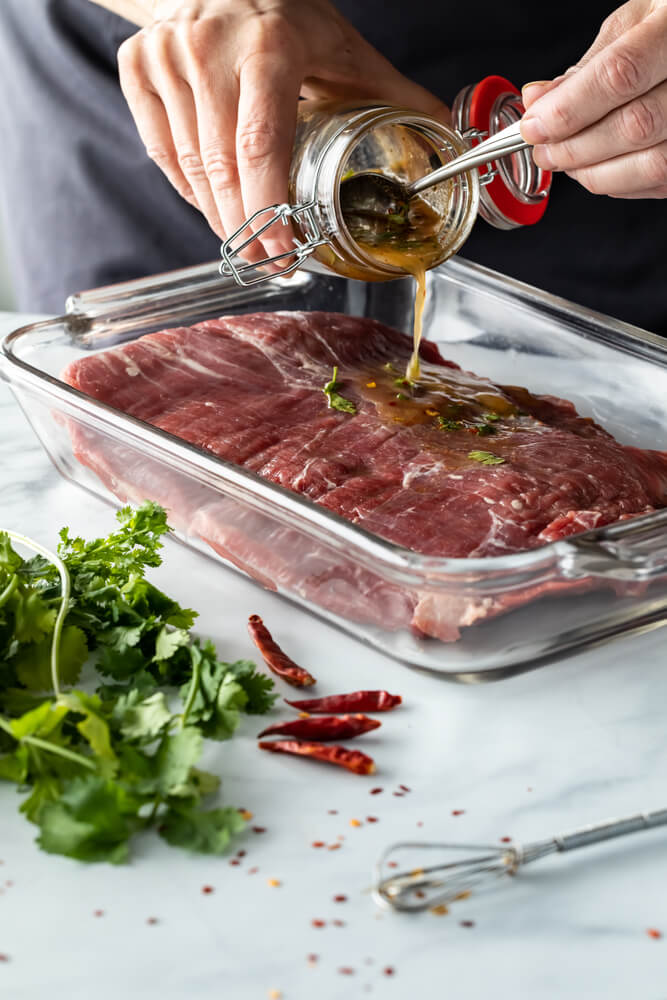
{"points": [[550, 750]]}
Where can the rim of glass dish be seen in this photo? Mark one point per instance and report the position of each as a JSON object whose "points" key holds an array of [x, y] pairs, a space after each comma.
{"points": [[415, 567]]}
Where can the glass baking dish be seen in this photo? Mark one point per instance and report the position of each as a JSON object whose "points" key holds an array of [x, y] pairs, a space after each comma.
{"points": [[514, 612]]}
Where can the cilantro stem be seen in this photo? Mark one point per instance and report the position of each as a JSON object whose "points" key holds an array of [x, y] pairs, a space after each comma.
{"points": [[50, 747], [9, 590], [64, 600], [192, 692]]}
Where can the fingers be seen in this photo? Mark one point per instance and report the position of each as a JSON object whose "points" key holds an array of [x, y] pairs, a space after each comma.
{"points": [[638, 125], [269, 94], [630, 174], [180, 108], [152, 122], [622, 71]]}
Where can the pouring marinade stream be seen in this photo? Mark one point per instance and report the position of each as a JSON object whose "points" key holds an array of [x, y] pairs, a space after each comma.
{"points": [[401, 234]]}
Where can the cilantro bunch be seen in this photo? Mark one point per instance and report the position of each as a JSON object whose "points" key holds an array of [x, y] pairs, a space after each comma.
{"points": [[103, 763]]}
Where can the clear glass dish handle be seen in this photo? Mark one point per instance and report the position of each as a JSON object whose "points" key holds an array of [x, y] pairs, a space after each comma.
{"points": [[633, 550]]}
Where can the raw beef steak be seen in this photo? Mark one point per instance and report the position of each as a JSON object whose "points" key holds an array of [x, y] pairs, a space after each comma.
{"points": [[453, 466]]}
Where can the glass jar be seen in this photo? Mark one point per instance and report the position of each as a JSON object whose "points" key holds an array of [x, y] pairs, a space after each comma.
{"points": [[335, 140]]}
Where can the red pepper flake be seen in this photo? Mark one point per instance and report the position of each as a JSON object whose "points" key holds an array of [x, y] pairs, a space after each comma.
{"points": [[252, 871], [245, 814], [346, 970], [98, 913], [351, 760], [274, 657], [326, 729], [273, 883], [332, 812], [334, 847], [258, 829], [420, 822], [404, 788], [356, 822], [529, 789], [151, 921], [207, 889], [355, 701], [372, 819], [340, 898], [392, 864], [318, 843], [653, 932], [312, 959], [338, 923], [9, 883], [4, 958], [241, 853], [399, 795], [419, 894], [389, 970], [376, 791], [458, 812], [235, 861], [318, 923], [391, 402], [467, 923], [505, 840], [441, 910]]}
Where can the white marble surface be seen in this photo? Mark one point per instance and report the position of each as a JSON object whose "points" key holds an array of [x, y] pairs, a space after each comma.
{"points": [[542, 753]]}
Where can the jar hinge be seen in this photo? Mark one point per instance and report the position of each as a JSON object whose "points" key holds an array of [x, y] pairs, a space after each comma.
{"points": [[233, 263], [476, 133]]}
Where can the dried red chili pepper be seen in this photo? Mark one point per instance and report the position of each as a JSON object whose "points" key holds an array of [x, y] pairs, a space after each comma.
{"points": [[355, 701], [324, 729], [274, 657], [351, 760]]}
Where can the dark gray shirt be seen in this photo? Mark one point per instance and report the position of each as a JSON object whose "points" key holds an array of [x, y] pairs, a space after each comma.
{"points": [[83, 205]]}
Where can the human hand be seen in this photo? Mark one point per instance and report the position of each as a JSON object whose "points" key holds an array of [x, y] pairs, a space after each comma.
{"points": [[604, 122], [213, 88]]}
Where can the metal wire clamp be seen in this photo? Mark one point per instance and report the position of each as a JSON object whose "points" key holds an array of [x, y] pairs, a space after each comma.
{"points": [[245, 273]]}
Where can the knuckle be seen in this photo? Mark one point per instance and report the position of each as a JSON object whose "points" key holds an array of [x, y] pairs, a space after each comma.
{"points": [[640, 121], [620, 73], [255, 142], [655, 167], [161, 156], [564, 119], [268, 33], [190, 162], [220, 168]]}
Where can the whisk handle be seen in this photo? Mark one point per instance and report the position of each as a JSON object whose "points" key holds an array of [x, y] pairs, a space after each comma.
{"points": [[594, 833]]}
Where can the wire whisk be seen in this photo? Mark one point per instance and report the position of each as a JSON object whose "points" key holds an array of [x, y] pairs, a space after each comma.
{"points": [[408, 881]]}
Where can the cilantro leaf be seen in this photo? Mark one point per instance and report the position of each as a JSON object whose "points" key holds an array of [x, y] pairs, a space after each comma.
{"points": [[336, 401], [257, 686], [141, 719], [33, 661], [92, 820], [486, 457], [208, 832], [177, 753]]}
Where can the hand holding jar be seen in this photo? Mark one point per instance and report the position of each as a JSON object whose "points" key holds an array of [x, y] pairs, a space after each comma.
{"points": [[604, 122], [213, 88]]}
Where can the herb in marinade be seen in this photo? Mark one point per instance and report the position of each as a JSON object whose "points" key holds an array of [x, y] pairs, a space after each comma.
{"points": [[486, 457], [336, 401]]}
